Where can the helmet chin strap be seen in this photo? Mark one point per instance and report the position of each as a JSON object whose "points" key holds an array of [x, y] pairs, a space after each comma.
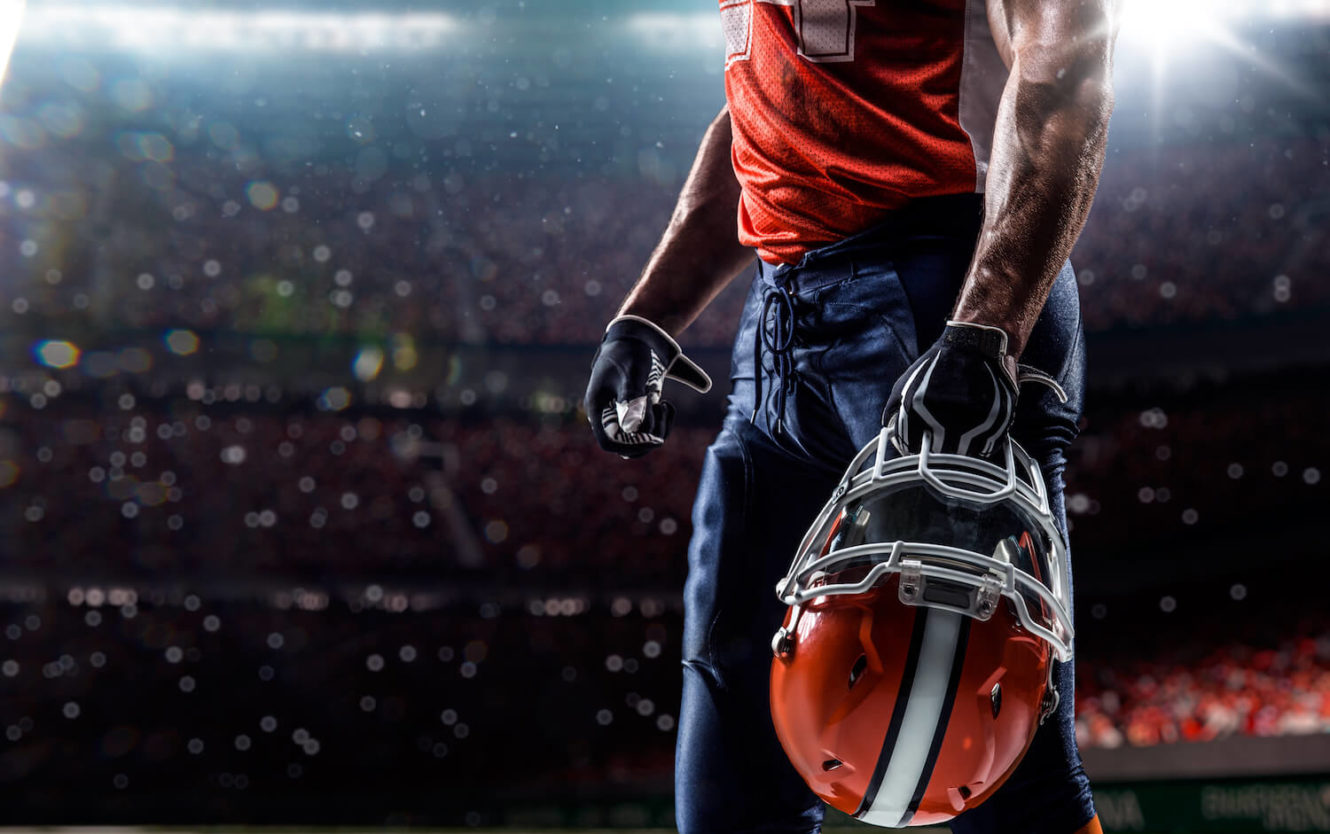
{"points": [[1051, 697], [782, 644]]}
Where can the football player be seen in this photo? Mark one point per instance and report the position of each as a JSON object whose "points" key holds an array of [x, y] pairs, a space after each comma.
{"points": [[911, 177]]}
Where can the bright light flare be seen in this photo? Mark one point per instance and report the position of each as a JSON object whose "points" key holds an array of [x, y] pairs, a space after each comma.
{"points": [[168, 28], [1168, 31], [1170, 23], [11, 16], [1167, 25], [669, 32]]}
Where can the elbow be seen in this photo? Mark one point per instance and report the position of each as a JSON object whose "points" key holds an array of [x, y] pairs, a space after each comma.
{"points": [[1089, 100], [1069, 72], [1061, 53], [1089, 86], [1066, 89]]}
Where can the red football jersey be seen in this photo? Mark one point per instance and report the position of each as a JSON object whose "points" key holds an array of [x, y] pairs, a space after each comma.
{"points": [[845, 109]]}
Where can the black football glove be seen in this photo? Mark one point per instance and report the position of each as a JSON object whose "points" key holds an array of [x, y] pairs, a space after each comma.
{"points": [[622, 399], [959, 392]]}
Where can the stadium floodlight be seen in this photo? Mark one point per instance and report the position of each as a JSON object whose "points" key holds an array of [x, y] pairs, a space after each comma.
{"points": [[164, 29], [1168, 25], [1180, 21], [1169, 29]]}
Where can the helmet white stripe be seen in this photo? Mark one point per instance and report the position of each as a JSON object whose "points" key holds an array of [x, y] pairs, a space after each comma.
{"points": [[928, 696]]}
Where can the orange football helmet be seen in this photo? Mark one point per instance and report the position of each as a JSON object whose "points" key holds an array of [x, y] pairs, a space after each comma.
{"points": [[927, 603]]}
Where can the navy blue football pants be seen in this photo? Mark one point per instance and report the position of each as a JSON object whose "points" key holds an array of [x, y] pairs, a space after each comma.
{"points": [[832, 334]]}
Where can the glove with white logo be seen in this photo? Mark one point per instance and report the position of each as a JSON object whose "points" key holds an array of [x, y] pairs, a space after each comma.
{"points": [[961, 392], [623, 399]]}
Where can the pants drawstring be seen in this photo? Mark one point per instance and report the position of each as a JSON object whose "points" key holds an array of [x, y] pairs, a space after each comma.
{"points": [[779, 341]]}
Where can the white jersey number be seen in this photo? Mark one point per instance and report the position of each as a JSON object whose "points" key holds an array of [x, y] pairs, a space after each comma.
{"points": [[825, 27]]}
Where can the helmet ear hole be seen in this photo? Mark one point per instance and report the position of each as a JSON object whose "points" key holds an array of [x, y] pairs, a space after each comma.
{"points": [[857, 670], [831, 764]]}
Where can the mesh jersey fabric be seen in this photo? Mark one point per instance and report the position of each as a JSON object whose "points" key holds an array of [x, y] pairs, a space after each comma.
{"points": [[843, 110]]}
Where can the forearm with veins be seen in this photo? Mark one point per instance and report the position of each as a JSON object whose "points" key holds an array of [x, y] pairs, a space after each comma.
{"points": [[700, 251], [1048, 150]]}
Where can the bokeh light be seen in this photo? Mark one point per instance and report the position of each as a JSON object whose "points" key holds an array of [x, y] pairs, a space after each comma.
{"points": [[262, 195], [181, 342], [9, 472], [336, 398], [57, 353], [368, 363]]}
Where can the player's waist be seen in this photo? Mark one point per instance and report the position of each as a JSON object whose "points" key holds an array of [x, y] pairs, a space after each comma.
{"points": [[949, 216]]}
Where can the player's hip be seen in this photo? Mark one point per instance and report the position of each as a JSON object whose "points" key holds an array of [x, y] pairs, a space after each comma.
{"points": [[820, 342]]}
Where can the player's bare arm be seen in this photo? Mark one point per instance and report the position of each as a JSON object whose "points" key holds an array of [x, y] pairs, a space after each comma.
{"points": [[1048, 149], [697, 256], [700, 251]]}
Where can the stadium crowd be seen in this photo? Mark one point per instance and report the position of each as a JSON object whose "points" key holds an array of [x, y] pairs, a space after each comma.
{"points": [[143, 485], [1205, 462], [163, 695], [160, 230], [1189, 691], [328, 706], [173, 487], [1205, 233]]}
